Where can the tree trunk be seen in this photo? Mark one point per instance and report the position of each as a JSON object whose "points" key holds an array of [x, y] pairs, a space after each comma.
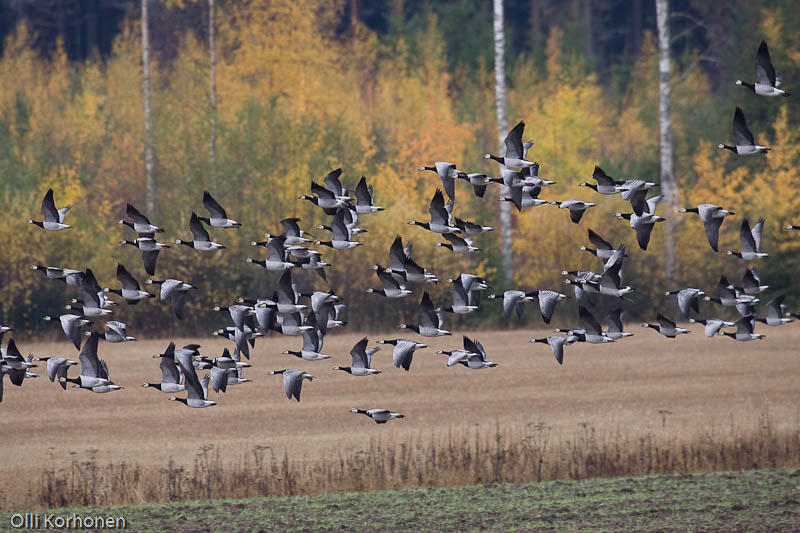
{"points": [[212, 53], [669, 187], [502, 130], [588, 29], [150, 186], [636, 28]]}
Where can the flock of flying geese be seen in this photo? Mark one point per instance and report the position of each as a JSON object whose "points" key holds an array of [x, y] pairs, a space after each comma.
{"points": [[290, 311]]}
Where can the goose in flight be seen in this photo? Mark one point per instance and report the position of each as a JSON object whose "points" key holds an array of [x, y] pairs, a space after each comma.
{"points": [[292, 381], [312, 344], [71, 325], [603, 248], [57, 368], [447, 173], [53, 219], [197, 389], [201, 240], [643, 224], [711, 326], [130, 290], [430, 320], [391, 288], [403, 351], [745, 142], [149, 248], [750, 241], [440, 216], [380, 416], [171, 376], [477, 358], [217, 216], [175, 291], [512, 300], [457, 244], [776, 313], [92, 374], [362, 360], [365, 201], [324, 199], [341, 233], [140, 224], [514, 158], [67, 275], [576, 208], [767, 82], [615, 326], [556, 343], [688, 300], [666, 327], [605, 183], [461, 300], [744, 330], [712, 217], [276, 256]]}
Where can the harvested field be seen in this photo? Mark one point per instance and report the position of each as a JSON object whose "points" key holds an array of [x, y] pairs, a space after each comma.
{"points": [[607, 405]]}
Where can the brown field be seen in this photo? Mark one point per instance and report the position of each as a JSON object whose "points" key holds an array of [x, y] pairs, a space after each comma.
{"points": [[691, 391]]}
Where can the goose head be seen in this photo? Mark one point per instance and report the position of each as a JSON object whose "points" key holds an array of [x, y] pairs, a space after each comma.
{"points": [[738, 82]]}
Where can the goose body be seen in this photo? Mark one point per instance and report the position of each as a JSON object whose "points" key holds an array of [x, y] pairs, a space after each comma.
{"points": [[576, 208], [666, 327], [712, 216], [380, 416], [711, 326], [140, 224], [750, 241]]}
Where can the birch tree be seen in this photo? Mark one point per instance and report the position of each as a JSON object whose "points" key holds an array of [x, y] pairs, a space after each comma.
{"points": [[150, 186], [669, 187], [502, 127]]}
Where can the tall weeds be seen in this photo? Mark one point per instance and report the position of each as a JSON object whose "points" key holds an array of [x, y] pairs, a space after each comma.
{"points": [[518, 453]]}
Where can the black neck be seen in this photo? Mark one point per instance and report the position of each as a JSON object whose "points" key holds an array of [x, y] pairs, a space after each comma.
{"points": [[693, 210], [731, 148], [498, 159], [750, 86]]}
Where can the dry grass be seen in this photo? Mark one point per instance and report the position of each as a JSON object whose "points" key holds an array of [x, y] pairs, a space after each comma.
{"points": [[645, 405]]}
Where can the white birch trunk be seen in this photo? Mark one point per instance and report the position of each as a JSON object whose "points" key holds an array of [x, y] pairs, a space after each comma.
{"points": [[502, 129], [212, 52], [669, 187], [150, 186]]}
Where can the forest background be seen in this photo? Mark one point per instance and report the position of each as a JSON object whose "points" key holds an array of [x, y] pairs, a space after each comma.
{"points": [[380, 88]]}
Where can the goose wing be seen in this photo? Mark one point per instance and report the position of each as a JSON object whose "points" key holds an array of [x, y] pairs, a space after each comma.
{"points": [[747, 238], [71, 329], [338, 226], [687, 300], [290, 227], [359, 354], [397, 256], [437, 210], [198, 231], [665, 322], [590, 323], [275, 249], [774, 308], [311, 341], [213, 206], [757, 230], [459, 294], [90, 365], [513, 141], [510, 299], [168, 288], [577, 214], [598, 241], [472, 345], [136, 216], [602, 178], [638, 202], [49, 207], [363, 193], [614, 319], [744, 325], [149, 260], [321, 191], [89, 289], [765, 72], [120, 328], [741, 134], [332, 182], [712, 232], [750, 280], [125, 277], [643, 231], [292, 383], [557, 345], [403, 354], [427, 314], [169, 370], [388, 281], [447, 172]]}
